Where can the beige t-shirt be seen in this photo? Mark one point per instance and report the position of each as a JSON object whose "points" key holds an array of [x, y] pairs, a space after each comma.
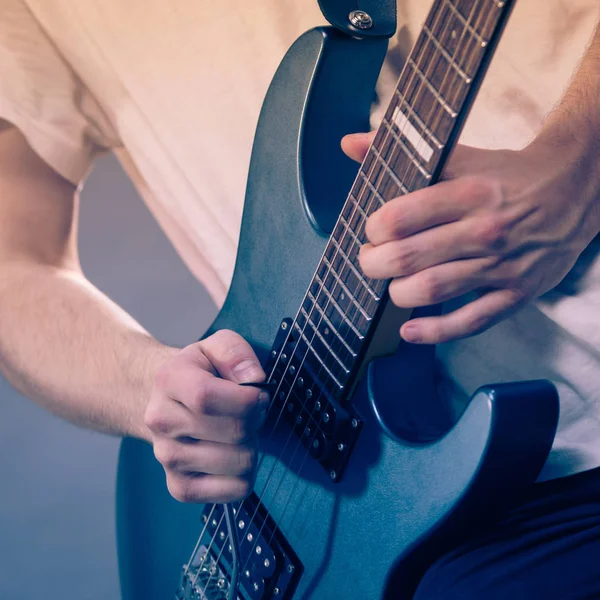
{"points": [[175, 88]]}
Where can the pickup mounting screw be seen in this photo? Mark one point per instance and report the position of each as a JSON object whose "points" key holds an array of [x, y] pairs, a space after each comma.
{"points": [[360, 19], [255, 586], [221, 584], [284, 326], [290, 568], [341, 447], [276, 591], [354, 423], [333, 474], [326, 417]]}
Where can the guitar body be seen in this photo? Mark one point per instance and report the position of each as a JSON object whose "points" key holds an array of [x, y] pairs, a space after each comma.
{"points": [[399, 503]]}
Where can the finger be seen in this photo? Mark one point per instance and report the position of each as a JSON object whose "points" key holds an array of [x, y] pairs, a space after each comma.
{"points": [[471, 319], [193, 456], [356, 145], [168, 417], [208, 488], [399, 258], [205, 394], [233, 357], [416, 212], [440, 283]]}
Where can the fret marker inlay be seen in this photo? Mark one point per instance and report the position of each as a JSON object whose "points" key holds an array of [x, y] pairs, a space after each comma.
{"points": [[409, 131]]}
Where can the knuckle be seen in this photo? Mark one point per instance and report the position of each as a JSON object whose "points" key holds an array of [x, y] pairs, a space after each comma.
{"points": [[491, 232], [246, 460], [405, 259], [243, 487], [182, 489], [168, 455], [475, 189], [477, 323], [198, 401], [156, 421], [239, 431], [432, 288]]}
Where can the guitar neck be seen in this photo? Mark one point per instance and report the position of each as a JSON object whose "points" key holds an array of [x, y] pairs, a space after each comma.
{"points": [[423, 120]]}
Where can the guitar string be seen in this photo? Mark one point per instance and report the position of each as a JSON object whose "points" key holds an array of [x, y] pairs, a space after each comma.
{"points": [[362, 291], [408, 164], [283, 408], [424, 49], [425, 43], [368, 207]]}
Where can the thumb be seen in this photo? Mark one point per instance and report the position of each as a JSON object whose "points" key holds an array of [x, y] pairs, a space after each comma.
{"points": [[356, 145], [232, 356]]}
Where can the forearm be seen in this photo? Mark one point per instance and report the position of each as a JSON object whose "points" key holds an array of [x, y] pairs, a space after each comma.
{"points": [[571, 134], [68, 347]]}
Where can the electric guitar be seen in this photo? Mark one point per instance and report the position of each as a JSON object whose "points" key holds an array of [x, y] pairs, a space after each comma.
{"points": [[361, 483]]}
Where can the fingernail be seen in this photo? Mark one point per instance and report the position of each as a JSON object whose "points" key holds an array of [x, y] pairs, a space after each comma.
{"points": [[248, 370], [411, 333]]}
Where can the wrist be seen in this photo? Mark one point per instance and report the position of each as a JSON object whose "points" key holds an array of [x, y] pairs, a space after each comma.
{"points": [[143, 374], [572, 152]]}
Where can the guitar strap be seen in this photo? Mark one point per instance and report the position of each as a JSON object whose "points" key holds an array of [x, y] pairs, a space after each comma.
{"points": [[361, 18]]}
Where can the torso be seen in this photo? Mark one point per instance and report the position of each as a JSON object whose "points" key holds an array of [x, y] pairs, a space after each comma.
{"points": [[182, 85]]}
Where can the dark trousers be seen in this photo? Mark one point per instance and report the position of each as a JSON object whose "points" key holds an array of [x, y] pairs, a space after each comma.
{"points": [[548, 548]]}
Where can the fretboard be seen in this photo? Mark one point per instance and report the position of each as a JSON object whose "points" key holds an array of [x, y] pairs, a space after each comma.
{"points": [[424, 118]]}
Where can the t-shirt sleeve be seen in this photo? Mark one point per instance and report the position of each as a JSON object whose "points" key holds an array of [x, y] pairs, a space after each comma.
{"points": [[42, 96]]}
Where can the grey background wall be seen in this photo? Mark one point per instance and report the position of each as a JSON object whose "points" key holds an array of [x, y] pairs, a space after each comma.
{"points": [[57, 538]]}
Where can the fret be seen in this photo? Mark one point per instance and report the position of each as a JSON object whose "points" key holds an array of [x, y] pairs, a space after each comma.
{"points": [[343, 285], [481, 17], [465, 23], [388, 169], [413, 159], [328, 325], [350, 229], [374, 190], [356, 202], [341, 301], [420, 122], [344, 326], [322, 365], [438, 96], [463, 48], [350, 250], [307, 321], [440, 48], [354, 273]]}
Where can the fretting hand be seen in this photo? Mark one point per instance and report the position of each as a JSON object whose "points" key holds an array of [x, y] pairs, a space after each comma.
{"points": [[506, 224]]}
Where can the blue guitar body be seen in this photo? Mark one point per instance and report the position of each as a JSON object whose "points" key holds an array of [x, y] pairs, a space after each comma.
{"points": [[409, 490]]}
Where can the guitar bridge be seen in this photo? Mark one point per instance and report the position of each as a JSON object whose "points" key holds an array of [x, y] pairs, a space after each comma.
{"points": [[269, 567]]}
